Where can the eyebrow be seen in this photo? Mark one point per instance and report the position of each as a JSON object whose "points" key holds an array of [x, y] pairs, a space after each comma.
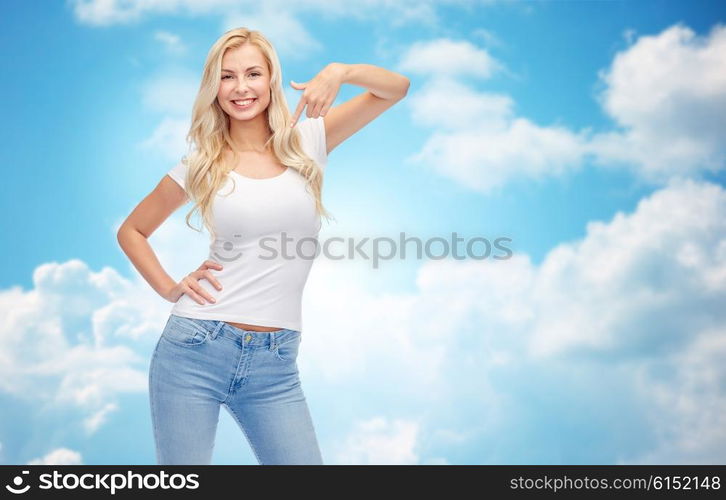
{"points": [[251, 67]]}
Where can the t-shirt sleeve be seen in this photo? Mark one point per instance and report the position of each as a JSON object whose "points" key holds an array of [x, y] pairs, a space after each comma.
{"points": [[178, 173], [312, 133]]}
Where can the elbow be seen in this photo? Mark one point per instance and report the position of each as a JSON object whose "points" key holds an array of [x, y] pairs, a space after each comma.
{"points": [[120, 235]]}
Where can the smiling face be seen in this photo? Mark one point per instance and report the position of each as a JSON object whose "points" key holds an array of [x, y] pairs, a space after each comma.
{"points": [[244, 76]]}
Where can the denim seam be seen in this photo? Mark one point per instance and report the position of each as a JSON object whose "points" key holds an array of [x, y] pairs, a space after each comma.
{"points": [[189, 344], [240, 361], [153, 407], [277, 349]]}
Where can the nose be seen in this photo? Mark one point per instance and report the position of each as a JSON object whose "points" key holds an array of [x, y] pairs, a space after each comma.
{"points": [[242, 86]]}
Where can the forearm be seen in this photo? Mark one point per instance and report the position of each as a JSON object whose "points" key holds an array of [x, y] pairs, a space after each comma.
{"points": [[379, 81], [137, 249]]}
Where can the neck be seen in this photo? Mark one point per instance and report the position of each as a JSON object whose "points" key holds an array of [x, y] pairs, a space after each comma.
{"points": [[249, 135]]}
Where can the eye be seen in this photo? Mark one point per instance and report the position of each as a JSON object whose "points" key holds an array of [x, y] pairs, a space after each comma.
{"points": [[225, 76], [254, 73]]}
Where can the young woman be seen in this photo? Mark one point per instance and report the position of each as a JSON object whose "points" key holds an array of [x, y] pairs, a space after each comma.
{"points": [[255, 176]]}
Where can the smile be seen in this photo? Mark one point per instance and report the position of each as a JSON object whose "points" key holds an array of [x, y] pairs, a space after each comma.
{"points": [[244, 104]]}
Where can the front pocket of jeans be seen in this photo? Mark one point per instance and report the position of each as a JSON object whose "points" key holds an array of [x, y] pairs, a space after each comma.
{"points": [[288, 349], [185, 332]]}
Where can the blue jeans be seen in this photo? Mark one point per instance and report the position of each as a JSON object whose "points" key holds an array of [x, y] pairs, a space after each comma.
{"points": [[198, 365]]}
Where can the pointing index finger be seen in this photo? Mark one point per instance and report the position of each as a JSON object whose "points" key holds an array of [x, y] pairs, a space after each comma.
{"points": [[300, 107]]}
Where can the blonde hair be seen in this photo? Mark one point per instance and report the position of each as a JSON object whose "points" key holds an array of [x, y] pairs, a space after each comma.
{"points": [[209, 130]]}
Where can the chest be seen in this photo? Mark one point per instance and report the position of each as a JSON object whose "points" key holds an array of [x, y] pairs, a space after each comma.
{"points": [[257, 207], [255, 165]]}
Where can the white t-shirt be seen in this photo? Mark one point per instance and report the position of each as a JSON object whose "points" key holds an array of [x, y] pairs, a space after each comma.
{"points": [[252, 218]]}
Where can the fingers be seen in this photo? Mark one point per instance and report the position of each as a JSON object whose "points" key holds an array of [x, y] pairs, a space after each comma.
{"points": [[315, 109], [319, 94], [323, 108], [210, 264], [191, 284], [196, 291], [212, 279], [300, 107], [326, 108]]}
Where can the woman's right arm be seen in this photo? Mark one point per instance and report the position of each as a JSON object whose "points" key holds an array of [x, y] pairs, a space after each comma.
{"points": [[133, 236]]}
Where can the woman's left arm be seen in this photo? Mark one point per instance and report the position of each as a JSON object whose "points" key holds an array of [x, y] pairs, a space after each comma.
{"points": [[384, 88], [379, 81]]}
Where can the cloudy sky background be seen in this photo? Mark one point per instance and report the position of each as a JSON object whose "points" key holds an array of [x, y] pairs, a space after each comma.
{"points": [[593, 134]]}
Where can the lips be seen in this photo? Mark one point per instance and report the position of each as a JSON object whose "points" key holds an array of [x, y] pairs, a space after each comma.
{"points": [[244, 103]]}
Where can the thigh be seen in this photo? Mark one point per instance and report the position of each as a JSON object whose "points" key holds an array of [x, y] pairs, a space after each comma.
{"points": [[279, 433], [184, 412], [272, 411]]}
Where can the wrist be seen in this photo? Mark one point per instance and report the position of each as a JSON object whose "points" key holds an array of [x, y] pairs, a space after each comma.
{"points": [[166, 290], [341, 69]]}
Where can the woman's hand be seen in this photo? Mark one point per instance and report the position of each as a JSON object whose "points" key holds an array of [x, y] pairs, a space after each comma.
{"points": [[320, 92], [190, 284]]}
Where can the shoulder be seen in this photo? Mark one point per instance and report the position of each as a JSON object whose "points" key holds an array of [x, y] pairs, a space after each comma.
{"points": [[179, 171], [312, 134]]}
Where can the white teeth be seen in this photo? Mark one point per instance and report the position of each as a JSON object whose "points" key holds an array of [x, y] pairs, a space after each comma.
{"points": [[243, 103]]}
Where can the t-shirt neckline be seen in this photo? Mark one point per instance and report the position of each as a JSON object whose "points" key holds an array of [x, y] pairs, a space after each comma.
{"points": [[263, 178]]}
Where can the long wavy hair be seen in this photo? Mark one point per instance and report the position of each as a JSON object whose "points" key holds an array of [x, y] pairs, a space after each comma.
{"points": [[209, 131]]}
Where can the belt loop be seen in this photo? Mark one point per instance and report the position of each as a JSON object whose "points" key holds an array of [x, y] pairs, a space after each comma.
{"points": [[215, 331], [272, 341]]}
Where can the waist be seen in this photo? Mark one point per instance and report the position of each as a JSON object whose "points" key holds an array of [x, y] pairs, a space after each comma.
{"points": [[254, 328]]}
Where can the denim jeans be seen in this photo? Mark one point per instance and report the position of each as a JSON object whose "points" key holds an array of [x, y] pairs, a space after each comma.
{"points": [[198, 365]]}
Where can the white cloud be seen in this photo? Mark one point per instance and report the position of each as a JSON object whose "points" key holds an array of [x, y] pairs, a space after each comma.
{"points": [[67, 362], [110, 12], [667, 95], [92, 332], [689, 403], [478, 141], [275, 19], [635, 306], [171, 91], [421, 12], [488, 37], [93, 422], [670, 255], [59, 456], [486, 158], [378, 441], [171, 42], [168, 139], [286, 33], [639, 298], [447, 104], [448, 57]]}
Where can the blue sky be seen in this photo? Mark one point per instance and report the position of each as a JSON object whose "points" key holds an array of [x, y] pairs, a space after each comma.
{"points": [[587, 132]]}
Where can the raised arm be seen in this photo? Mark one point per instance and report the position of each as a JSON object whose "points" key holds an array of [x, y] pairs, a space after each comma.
{"points": [[384, 89]]}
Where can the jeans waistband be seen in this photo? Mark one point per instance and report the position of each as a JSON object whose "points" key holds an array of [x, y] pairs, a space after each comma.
{"points": [[249, 337]]}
